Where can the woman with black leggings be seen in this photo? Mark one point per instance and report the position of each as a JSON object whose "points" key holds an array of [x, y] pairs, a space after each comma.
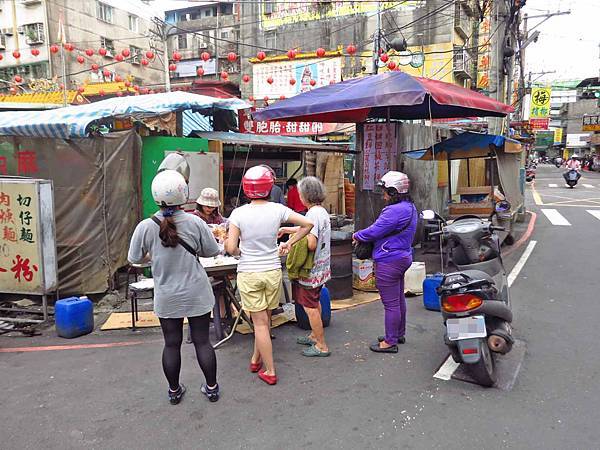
{"points": [[173, 239]]}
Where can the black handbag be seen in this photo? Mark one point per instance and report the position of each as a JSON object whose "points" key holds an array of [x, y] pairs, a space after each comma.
{"points": [[364, 250]]}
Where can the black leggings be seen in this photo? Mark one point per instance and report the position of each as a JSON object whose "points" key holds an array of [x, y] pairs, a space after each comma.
{"points": [[171, 357]]}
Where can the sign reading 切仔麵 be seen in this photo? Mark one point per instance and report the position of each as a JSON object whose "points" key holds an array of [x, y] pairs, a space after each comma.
{"points": [[379, 149], [27, 245]]}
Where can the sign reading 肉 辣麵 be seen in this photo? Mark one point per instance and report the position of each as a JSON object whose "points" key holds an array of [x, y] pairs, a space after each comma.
{"points": [[21, 247]]}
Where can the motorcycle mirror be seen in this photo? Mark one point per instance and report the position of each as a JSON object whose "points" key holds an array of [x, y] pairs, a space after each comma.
{"points": [[428, 214]]}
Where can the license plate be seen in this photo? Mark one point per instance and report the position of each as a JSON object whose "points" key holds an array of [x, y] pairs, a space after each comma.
{"points": [[466, 328]]}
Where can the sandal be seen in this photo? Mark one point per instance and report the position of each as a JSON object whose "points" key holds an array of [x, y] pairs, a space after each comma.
{"points": [[313, 351], [305, 340]]}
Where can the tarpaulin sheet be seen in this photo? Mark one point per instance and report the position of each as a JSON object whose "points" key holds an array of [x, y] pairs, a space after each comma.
{"points": [[96, 198]]}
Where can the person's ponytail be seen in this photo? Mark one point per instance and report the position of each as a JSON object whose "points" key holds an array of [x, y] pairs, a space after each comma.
{"points": [[168, 231]]}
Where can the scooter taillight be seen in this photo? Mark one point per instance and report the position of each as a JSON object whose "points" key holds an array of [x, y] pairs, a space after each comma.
{"points": [[461, 303]]}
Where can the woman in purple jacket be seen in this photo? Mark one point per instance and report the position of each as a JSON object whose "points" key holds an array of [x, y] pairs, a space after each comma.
{"points": [[392, 236]]}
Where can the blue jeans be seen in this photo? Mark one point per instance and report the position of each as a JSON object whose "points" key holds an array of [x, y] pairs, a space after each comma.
{"points": [[389, 276]]}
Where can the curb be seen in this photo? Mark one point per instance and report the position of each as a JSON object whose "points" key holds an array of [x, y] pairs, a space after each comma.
{"points": [[525, 237]]}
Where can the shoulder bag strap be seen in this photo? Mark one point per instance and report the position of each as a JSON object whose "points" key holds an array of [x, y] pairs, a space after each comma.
{"points": [[181, 242]]}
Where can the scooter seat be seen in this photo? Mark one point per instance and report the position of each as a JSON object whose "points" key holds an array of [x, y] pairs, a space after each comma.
{"points": [[478, 275]]}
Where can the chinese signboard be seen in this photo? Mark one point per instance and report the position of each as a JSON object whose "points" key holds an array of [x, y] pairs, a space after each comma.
{"points": [[276, 14], [282, 128], [591, 123], [578, 139], [540, 103], [539, 124], [544, 139], [558, 135], [379, 149], [322, 70], [22, 266], [483, 54]]}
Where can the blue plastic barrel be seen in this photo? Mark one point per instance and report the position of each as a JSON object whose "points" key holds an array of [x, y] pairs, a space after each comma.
{"points": [[74, 316], [325, 301], [431, 299]]}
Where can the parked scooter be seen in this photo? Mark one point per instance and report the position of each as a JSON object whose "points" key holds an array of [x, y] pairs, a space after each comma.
{"points": [[475, 299], [530, 172], [572, 176]]}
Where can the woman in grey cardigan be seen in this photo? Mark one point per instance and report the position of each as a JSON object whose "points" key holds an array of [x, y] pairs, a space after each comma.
{"points": [[173, 239]]}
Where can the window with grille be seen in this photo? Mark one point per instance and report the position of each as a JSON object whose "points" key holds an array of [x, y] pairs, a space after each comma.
{"points": [[2, 41], [134, 23], [270, 40], [104, 12], [182, 41], [109, 45], [34, 33], [136, 54]]}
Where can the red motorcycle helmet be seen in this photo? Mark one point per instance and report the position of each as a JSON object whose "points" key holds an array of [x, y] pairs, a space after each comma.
{"points": [[258, 182]]}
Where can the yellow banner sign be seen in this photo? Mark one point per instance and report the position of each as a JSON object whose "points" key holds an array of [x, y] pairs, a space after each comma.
{"points": [[540, 103], [558, 135]]}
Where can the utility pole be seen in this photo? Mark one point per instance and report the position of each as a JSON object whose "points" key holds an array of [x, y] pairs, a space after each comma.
{"points": [[377, 41], [498, 21], [162, 33]]}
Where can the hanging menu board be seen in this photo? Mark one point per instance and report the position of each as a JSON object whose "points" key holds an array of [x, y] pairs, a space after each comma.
{"points": [[379, 150], [27, 244]]}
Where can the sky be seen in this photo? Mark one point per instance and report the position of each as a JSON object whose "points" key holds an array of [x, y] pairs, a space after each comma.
{"points": [[567, 44]]}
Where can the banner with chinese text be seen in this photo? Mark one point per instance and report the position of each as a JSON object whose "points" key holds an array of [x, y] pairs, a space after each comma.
{"points": [[379, 149]]}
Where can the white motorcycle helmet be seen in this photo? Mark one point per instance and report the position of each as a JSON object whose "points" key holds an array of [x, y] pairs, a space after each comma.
{"points": [[396, 180], [169, 188]]}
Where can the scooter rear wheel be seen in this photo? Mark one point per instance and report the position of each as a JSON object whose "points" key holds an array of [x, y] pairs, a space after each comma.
{"points": [[484, 371]]}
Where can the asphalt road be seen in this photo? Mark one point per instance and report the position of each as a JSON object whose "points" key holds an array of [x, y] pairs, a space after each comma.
{"points": [[115, 397]]}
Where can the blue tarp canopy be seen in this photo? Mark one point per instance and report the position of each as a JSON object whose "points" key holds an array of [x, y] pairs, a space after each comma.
{"points": [[73, 121], [467, 145]]}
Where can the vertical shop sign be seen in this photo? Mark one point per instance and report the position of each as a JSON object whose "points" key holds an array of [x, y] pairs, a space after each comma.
{"points": [[379, 150]]}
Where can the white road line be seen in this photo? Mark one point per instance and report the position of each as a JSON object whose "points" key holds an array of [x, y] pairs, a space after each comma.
{"points": [[514, 273], [553, 185], [555, 217], [447, 370], [588, 185], [594, 212]]}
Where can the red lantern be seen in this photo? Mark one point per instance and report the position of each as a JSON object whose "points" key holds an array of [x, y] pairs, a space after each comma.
{"points": [[80, 59], [313, 82], [119, 58], [391, 65], [1, 57], [106, 73], [144, 62], [69, 47], [35, 52], [176, 56], [127, 83], [205, 56], [61, 86], [251, 98], [231, 56], [101, 92], [102, 51], [95, 67], [89, 52], [118, 78], [81, 89], [16, 54], [261, 56], [136, 88], [351, 49], [291, 54], [13, 91], [119, 94], [224, 75], [172, 67], [151, 91], [292, 81], [282, 97], [199, 71], [384, 58], [150, 54], [246, 78], [18, 79], [270, 80], [54, 48], [320, 52], [126, 52]]}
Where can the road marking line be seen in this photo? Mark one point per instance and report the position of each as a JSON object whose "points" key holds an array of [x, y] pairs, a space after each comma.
{"points": [[594, 212], [447, 369], [555, 217], [553, 185], [514, 273], [588, 185], [536, 197]]}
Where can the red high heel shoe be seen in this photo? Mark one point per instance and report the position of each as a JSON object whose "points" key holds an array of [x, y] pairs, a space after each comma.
{"points": [[269, 379], [255, 367]]}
